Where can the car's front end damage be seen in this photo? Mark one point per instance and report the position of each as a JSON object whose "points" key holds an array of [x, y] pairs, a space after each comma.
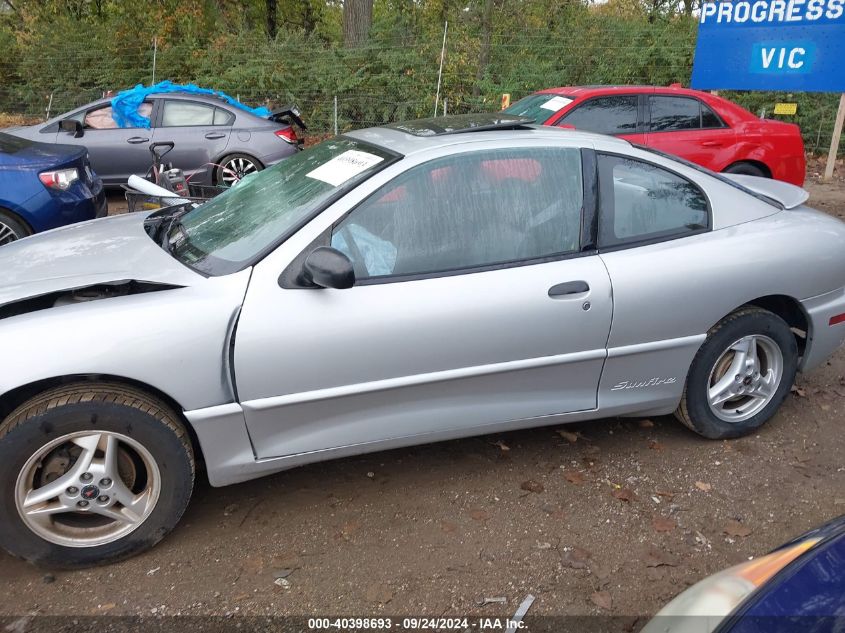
{"points": [[104, 299]]}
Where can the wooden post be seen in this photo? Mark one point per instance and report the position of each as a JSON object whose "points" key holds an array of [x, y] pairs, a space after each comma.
{"points": [[834, 142]]}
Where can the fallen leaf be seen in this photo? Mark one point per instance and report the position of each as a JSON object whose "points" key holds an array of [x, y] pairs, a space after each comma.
{"points": [[576, 558], [568, 436], [574, 476], [799, 391], [658, 558], [663, 524], [602, 600], [448, 526], [624, 494], [703, 486], [532, 486], [502, 446], [665, 494], [479, 515], [735, 528], [646, 424], [655, 445]]}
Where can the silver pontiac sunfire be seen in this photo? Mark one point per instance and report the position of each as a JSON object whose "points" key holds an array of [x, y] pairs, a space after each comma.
{"points": [[393, 286]]}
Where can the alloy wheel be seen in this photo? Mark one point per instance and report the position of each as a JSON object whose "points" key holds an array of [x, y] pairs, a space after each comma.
{"points": [[7, 235], [87, 489], [234, 169], [745, 378]]}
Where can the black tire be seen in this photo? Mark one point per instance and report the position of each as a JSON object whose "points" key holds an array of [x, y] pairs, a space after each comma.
{"points": [[231, 161], [746, 169], [89, 407], [695, 411], [10, 222]]}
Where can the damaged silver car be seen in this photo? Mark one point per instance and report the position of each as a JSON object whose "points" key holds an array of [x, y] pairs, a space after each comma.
{"points": [[393, 286]]}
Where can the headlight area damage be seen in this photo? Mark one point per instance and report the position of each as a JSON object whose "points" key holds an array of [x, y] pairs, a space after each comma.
{"points": [[82, 294]]}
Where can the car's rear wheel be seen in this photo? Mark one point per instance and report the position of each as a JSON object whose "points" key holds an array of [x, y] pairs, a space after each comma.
{"points": [[740, 375], [91, 474], [234, 167], [746, 169], [11, 228]]}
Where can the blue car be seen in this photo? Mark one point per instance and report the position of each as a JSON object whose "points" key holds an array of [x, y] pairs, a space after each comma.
{"points": [[799, 587], [45, 186]]}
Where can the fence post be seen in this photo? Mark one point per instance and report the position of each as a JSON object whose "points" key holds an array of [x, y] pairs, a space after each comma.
{"points": [[155, 54], [834, 142], [49, 106], [335, 115], [440, 72], [445, 106]]}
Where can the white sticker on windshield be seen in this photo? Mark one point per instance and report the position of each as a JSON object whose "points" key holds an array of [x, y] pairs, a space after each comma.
{"points": [[556, 103], [343, 167]]}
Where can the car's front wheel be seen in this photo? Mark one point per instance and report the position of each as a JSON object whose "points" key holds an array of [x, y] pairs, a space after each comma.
{"points": [[91, 474], [740, 375]]}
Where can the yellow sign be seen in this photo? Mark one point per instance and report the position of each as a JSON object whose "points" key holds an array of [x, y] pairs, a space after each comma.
{"points": [[786, 108], [506, 100]]}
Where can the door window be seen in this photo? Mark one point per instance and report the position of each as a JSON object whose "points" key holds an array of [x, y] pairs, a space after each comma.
{"points": [[101, 118], [641, 201], [468, 211], [187, 113], [605, 115], [672, 114]]}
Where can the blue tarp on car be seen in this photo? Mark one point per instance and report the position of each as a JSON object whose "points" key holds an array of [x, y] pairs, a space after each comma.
{"points": [[125, 104]]}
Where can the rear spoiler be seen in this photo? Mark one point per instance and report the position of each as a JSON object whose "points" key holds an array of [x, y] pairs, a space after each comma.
{"points": [[288, 114], [786, 195]]}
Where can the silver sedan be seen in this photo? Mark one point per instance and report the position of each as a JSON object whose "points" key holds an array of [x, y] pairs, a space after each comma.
{"points": [[393, 286]]}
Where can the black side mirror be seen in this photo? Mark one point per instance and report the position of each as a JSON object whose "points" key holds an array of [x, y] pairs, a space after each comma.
{"points": [[328, 268], [71, 125]]}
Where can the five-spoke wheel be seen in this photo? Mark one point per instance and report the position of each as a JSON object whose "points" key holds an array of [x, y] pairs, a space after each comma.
{"points": [[86, 489], [740, 375], [91, 473]]}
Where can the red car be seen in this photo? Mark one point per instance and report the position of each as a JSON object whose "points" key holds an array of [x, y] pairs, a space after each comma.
{"points": [[694, 125]]}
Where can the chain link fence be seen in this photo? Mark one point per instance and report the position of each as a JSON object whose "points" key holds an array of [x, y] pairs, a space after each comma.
{"points": [[379, 83]]}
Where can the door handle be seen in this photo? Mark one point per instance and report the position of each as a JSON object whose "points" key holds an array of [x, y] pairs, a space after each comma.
{"points": [[569, 288], [214, 135], [135, 140], [712, 143]]}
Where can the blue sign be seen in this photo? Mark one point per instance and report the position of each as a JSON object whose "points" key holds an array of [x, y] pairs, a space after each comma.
{"points": [[784, 45]]}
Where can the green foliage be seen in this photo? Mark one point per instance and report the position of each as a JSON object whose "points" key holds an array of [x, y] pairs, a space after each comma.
{"points": [[75, 50]]}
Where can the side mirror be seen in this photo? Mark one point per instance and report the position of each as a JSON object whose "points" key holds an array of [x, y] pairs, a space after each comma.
{"points": [[328, 268], [71, 125]]}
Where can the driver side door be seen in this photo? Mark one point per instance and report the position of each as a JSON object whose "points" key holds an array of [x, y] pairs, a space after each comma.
{"points": [[474, 307]]}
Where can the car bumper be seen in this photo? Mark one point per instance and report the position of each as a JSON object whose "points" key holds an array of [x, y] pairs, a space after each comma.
{"points": [[81, 202], [827, 327]]}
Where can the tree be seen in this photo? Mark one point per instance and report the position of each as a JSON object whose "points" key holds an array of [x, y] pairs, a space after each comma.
{"points": [[271, 18], [357, 20]]}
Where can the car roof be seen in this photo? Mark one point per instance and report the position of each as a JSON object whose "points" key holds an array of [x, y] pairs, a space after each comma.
{"points": [[423, 134], [587, 91]]}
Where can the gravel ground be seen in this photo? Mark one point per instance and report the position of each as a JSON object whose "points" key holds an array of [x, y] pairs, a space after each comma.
{"points": [[613, 517]]}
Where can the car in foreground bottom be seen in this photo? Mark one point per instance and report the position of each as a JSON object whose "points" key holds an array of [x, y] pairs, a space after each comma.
{"points": [[800, 586], [45, 186], [388, 287]]}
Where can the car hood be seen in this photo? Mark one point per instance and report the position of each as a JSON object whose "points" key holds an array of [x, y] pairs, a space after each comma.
{"points": [[110, 250], [787, 195]]}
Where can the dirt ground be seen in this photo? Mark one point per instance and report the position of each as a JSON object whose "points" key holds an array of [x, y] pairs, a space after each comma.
{"points": [[612, 517]]}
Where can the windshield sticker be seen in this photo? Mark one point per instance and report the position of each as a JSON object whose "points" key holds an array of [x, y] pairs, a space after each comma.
{"points": [[556, 103], [343, 167]]}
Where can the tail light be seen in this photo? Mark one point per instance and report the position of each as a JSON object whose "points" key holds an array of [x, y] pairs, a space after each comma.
{"points": [[287, 134], [61, 179]]}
